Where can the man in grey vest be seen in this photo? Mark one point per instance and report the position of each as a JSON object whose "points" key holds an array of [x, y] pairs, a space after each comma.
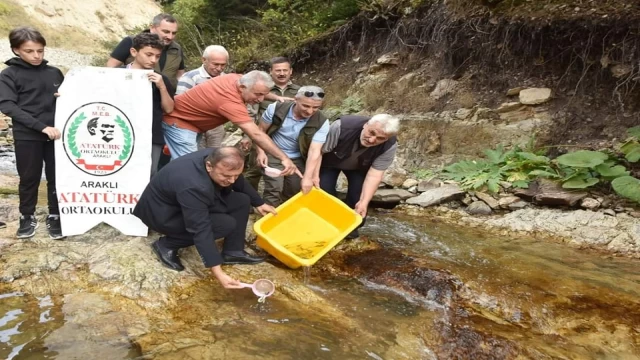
{"points": [[214, 59], [171, 63], [299, 129], [362, 148]]}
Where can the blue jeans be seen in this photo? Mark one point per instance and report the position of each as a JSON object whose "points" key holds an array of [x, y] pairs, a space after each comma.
{"points": [[180, 141]]}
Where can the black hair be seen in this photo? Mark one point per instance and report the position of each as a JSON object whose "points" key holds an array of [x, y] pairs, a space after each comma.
{"points": [[279, 60], [22, 34], [147, 39]]}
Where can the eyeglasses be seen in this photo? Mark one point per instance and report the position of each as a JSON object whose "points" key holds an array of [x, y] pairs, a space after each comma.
{"points": [[311, 94]]}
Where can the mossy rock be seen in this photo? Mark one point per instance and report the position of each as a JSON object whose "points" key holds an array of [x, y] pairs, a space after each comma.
{"points": [[8, 191]]}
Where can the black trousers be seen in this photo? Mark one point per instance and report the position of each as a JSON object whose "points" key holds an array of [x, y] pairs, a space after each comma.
{"points": [[29, 158], [355, 179], [229, 221]]}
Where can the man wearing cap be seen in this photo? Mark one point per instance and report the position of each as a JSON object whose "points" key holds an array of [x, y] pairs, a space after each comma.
{"points": [[299, 129]]}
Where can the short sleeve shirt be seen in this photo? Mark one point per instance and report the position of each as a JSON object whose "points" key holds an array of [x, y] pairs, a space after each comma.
{"points": [[286, 138], [209, 105]]}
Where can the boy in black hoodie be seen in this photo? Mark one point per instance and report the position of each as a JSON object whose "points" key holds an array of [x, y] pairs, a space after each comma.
{"points": [[28, 90]]}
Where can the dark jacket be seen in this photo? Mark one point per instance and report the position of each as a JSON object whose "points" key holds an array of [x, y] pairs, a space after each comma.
{"points": [[27, 97], [305, 137], [350, 130], [180, 199]]}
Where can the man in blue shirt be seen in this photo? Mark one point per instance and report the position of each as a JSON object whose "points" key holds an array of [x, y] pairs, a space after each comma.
{"points": [[299, 129]]}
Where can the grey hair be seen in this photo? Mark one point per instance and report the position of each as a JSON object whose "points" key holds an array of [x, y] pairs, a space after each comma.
{"points": [[211, 49], [251, 78], [163, 17], [230, 156], [390, 125], [314, 89]]}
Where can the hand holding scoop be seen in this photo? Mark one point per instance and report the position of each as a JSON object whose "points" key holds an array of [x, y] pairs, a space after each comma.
{"points": [[262, 288]]}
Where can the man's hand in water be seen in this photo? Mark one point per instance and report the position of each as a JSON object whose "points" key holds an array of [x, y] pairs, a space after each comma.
{"points": [[225, 280], [266, 209]]}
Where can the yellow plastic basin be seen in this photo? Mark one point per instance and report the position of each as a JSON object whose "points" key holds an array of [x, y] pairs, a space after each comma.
{"points": [[306, 228]]}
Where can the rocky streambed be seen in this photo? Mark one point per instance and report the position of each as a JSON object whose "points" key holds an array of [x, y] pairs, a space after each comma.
{"points": [[412, 287]]}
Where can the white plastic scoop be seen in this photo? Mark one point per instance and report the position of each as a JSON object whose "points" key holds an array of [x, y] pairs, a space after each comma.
{"points": [[263, 288], [273, 172]]}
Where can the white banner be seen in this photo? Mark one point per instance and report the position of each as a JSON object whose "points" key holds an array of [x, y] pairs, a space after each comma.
{"points": [[103, 160]]}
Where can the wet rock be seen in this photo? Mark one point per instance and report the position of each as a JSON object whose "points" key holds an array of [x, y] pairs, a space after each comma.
{"points": [[409, 183], [444, 87], [508, 200], [436, 196], [389, 59], [429, 184], [507, 107], [589, 204], [467, 200], [635, 214], [609, 212], [391, 195], [479, 208], [413, 189], [489, 200], [535, 96], [514, 91], [506, 184], [518, 205]]}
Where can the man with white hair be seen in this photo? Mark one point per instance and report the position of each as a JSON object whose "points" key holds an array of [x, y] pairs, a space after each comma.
{"points": [[213, 103], [214, 59], [299, 129], [362, 148]]}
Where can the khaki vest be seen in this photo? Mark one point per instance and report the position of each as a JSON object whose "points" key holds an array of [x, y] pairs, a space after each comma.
{"points": [[306, 133]]}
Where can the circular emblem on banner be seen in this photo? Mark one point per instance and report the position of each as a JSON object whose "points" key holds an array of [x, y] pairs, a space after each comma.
{"points": [[98, 139]]}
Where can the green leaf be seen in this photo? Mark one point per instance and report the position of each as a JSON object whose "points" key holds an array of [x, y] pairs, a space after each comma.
{"points": [[580, 183], [634, 131], [495, 156], [492, 185], [627, 186], [533, 157], [629, 146], [522, 184], [633, 155], [582, 159], [517, 176], [611, 172], [545, 174]]}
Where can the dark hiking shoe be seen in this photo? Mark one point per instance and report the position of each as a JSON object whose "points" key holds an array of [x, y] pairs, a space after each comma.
{"points": [[2, 225], [168, 257], [53, 225], [28, 226]]}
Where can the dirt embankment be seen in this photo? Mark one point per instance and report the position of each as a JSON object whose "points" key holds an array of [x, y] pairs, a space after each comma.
{"points": [[587, 52]]}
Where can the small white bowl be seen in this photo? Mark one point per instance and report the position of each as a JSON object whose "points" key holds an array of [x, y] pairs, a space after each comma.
{"points": [[269, 171]]}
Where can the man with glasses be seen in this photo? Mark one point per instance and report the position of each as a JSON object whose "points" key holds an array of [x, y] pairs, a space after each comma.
{"points": [[299, 129], [214, 61], [362, 148]]}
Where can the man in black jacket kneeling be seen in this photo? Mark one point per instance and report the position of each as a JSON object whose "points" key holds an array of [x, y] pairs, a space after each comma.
{"points": [[196, 199]]}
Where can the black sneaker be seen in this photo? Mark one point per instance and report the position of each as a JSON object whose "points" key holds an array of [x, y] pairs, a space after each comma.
{"points": [[53, 225], [28, 226], [2, 225]]}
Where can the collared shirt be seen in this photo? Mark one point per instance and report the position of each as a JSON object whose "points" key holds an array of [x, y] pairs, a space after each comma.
{"points": [[289, 91], [286, 138], [193, 78]]}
